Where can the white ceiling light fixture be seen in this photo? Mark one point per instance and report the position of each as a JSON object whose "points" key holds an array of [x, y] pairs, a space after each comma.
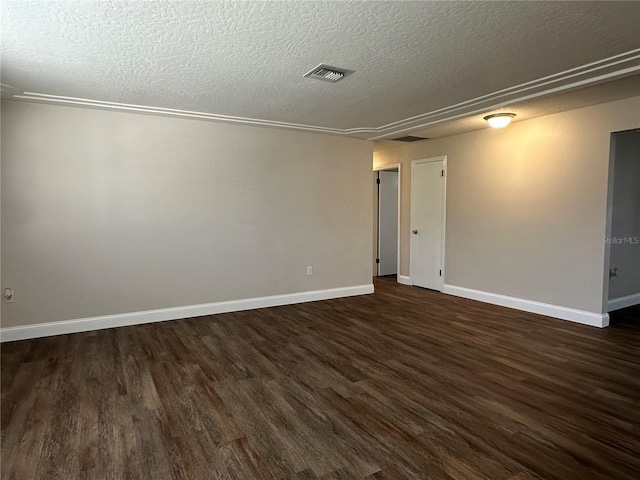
{"points": [[499, 120], [328, 73]]}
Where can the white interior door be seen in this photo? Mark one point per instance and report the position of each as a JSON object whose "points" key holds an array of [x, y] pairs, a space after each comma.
{"points": [[388, 222], [427, 223]]}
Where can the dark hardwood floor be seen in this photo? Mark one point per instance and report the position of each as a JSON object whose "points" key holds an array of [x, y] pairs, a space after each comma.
{"points": [[406, 383]]}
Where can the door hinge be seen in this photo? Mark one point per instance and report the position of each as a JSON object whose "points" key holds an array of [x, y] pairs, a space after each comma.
{"points": [[442, 173], [440, 272], [378, 181], [377, 260]]}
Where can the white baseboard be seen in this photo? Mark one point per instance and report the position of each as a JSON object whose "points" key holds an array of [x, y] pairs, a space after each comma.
{"points": [[404, 280], [623, 302], [564, 313], [11, 334]]}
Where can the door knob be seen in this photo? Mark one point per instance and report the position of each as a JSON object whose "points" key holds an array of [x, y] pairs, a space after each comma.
{"points": [[415, 232]]}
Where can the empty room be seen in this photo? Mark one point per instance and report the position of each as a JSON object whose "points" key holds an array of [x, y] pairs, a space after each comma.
{"points": [[320, 240]]}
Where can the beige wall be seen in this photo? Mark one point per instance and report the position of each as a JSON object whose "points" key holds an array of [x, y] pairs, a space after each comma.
{"points": [[526, 205], [109, 212]]}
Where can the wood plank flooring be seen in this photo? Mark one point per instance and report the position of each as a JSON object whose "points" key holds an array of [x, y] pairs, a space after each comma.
{"points": [[403, 384]]}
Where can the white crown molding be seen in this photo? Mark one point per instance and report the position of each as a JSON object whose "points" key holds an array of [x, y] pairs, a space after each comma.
{"points": [[607, 69], [551, 84], [579, 316], [85, 102], [38, 330], [623, 302]]}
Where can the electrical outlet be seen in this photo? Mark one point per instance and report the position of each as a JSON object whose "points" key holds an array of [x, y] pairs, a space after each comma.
{"points": [[8, 295], [309, 270]]}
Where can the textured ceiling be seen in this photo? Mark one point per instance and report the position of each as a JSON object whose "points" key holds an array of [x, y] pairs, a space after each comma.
{"points": [[246, 59]]}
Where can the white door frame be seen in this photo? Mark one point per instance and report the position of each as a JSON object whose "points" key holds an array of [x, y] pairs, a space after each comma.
{"points": [[391, 166], [611, 304], [608, 224], [442, 159]]}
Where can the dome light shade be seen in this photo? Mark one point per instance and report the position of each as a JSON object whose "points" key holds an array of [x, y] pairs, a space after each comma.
{"points": [[499, 120]]}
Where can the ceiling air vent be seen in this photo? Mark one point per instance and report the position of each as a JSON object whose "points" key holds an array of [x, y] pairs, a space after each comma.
{"points": [[327, 73], [409, 138]]}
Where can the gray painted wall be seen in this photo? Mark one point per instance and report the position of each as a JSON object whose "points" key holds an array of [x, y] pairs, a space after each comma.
{"points": [[526, 205], [109, 212]]}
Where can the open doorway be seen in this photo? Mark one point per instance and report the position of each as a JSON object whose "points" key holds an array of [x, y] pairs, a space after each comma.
{"points": [[387, 221], [622, 240]]}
